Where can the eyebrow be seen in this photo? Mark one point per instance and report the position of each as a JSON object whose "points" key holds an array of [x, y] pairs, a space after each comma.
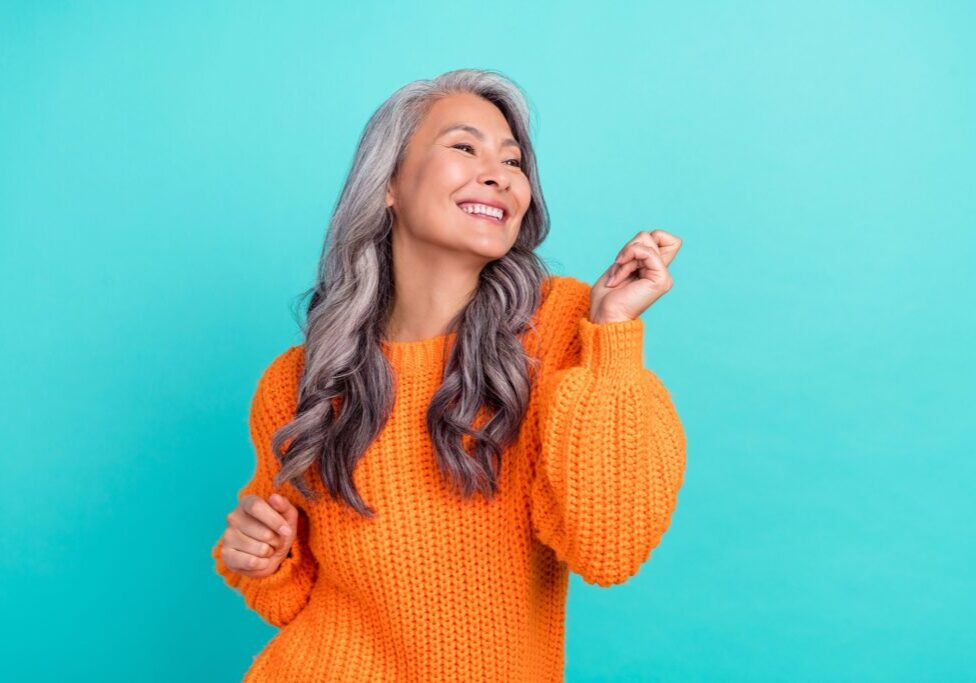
{"points": [[475, 132]]}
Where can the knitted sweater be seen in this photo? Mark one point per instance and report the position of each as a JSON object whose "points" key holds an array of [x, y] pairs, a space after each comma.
{"points": [[440, 588]]}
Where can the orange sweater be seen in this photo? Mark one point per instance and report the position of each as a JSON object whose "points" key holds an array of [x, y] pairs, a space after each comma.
{"points": [[439, 588]]}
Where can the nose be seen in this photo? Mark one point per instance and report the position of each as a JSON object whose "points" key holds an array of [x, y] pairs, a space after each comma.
{"points": [[496, 176]]}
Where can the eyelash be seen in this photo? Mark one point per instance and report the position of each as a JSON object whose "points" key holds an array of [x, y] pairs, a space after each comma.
{"points": [[464, 144]]}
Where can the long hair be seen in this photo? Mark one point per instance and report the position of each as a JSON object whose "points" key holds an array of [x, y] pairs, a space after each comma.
{"points": [[346, 391]]}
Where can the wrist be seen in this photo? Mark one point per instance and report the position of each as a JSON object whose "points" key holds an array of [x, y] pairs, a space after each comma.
{"points": [[604, 319]]}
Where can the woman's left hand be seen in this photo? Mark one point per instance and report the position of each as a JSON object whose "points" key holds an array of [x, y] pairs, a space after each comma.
{"points": [[638, 277]]}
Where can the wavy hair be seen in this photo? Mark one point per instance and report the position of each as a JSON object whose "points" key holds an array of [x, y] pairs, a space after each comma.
{"points": [[346, 390]]}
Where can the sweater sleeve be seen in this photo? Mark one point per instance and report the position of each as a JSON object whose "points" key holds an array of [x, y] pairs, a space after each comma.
{"points": [[611, 457], [278, 597]]}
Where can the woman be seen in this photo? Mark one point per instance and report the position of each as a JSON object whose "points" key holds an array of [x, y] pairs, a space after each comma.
{"points": [[480, 428]]}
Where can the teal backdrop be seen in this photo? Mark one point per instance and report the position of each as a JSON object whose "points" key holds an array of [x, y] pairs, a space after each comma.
{"points": [[167, 171]]}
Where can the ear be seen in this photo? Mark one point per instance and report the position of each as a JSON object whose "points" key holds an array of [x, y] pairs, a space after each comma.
{"points": [[390, 189]]}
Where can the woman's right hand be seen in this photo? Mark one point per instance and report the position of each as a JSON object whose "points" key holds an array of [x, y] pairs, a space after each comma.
{"points": [[259, 535]]}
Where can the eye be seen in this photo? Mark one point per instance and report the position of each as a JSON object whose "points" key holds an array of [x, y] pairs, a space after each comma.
{"points": [[518, 162]]}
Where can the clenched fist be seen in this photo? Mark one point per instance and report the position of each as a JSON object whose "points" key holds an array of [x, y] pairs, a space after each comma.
{"points": [[638, 277], [259, 535]]}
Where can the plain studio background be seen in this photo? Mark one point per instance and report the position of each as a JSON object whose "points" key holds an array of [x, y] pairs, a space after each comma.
{"points": [[166, 176]]}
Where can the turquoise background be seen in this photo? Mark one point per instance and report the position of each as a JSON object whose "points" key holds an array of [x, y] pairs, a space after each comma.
{"points": [[166, 175]]}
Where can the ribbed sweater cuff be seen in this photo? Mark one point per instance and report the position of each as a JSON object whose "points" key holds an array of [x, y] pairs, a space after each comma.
{"points": [[612, 347]]}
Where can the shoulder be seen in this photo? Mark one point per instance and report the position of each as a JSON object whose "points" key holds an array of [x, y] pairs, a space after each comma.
{"points": [[277, 387], [565, 300]]}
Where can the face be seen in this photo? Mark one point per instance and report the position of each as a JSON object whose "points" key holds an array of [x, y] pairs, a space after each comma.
{"points": [[445, 169]]}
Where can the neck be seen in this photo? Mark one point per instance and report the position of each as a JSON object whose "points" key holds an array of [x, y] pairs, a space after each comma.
{"points": [[429, 290], [421, 313]]}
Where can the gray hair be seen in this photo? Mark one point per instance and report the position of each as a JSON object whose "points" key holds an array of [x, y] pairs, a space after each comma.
{"points": [[488, 366]]}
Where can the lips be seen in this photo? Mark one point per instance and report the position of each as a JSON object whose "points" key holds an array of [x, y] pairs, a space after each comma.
{"points": [[483, 217], [495, 204]]}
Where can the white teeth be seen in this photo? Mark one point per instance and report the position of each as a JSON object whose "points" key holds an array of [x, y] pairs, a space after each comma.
{"points": [[481, 208]]}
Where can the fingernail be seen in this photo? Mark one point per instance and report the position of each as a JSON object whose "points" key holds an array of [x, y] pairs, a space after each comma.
{"points": [[284, 530]]}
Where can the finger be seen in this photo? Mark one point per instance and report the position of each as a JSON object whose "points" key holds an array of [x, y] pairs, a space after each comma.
{"points": [[622, 271], [661, 241], [256, 530], [628, 251], [234, 538], [625, 264], [261, 510], [653, 269], [653, 266], [668, 245], [286, 509], [647, 261], [238, 560]]}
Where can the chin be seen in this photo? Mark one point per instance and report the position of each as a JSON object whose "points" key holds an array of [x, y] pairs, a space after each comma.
{"points": [[496, 244], [487, 252]]}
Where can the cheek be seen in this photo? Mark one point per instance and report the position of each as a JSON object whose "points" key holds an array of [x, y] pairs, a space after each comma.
{"points": [[524, 194], [448, 172], [436, 175], [434, 185]]}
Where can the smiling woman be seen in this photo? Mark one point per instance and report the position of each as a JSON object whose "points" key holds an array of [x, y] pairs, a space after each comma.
{"points": [[462, 156], [502, 437]]}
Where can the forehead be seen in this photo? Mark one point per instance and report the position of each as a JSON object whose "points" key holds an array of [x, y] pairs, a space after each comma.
{"points": [[465, 108]]}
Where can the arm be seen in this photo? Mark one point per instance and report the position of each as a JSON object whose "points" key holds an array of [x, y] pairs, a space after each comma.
{"points": [[278, 597], [612, 454]]}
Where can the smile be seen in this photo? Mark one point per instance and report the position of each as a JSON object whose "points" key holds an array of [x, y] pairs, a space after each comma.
{"points": [[482, 216]]}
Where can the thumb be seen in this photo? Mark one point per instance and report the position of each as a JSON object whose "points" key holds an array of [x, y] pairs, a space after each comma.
{"points": [[287, 510]]}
